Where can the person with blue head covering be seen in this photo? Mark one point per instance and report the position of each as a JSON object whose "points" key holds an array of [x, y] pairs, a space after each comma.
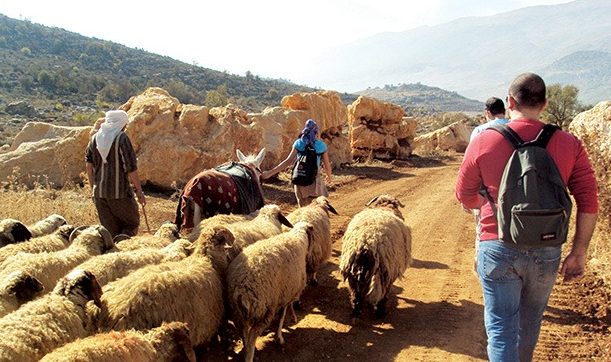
{"points": [[309, 137]]}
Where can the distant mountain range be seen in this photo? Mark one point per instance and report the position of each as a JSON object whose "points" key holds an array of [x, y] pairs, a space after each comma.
{"points": [[479, 56]]}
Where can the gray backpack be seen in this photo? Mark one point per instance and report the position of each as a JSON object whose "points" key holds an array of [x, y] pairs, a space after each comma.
{"points": [[534, 206]]}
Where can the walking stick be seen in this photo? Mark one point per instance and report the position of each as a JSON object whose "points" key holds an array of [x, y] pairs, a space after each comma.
{"points": [[146, 219]]}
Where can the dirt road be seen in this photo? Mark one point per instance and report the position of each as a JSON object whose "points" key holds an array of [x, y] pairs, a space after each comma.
{"points": [[436, 312]]}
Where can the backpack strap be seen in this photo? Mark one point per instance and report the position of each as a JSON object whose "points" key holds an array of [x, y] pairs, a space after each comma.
{"points": [[544, 136], [509, 134]]}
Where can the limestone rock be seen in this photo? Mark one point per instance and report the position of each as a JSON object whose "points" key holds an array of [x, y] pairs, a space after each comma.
{"points": [[22, 108], [593, 127], [379, 129], [52, 153], [454, 137]]}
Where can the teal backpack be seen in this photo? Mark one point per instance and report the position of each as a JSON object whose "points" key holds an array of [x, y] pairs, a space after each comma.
{"points": [[534, 206]]}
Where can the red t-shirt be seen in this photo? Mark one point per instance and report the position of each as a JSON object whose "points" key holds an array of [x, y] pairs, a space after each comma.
{"points": [[485, 160]]}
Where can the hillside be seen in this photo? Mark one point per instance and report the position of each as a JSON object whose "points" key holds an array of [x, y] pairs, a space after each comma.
{"points": [[421, 99], [477, 56]]}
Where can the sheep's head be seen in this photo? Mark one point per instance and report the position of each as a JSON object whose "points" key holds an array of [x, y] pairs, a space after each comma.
{"points": [[218, 243], [95, 236], [273, 213], [179, 249], [64, 231], [81, 284], [323, 202], [388, 202], [53, 222], [23, 286], [172, 341], [13, 231], [168, 230]]}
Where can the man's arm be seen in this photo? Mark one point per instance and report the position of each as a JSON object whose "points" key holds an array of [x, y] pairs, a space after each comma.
{"points": [[574, 264], [135, 181]]}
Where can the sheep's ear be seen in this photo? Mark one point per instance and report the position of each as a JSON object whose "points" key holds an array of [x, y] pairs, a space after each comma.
{"points": [[284, 221], [330, 207], [20, 232], [26, 288], [372, 201], [108, 241], [240, 155], [400, 203], [260, 157]]}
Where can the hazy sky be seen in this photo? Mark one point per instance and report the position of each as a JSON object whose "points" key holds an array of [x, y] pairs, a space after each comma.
{"points": [[271, 38]]}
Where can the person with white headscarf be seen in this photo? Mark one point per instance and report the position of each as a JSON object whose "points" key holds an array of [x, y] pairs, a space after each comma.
{"points": [[309, 136], [111, 167]]}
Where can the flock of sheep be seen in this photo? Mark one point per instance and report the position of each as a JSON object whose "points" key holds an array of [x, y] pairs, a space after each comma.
{"points": [[72, 294]]}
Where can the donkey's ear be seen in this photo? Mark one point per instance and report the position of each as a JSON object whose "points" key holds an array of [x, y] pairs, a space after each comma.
{"points": [[240, 155], [260, 157]]}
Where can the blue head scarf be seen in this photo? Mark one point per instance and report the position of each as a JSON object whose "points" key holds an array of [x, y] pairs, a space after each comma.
{"points": [[308, 135]]}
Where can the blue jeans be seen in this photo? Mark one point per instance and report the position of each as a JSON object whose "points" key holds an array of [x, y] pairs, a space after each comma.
{"points": [[517, 284]]}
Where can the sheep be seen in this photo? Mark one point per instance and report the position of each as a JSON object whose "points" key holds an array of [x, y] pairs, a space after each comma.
{"points": [[266, 224], [47, 225], [112, 266], [58, 240], [170, 342], [219, 219], [51, 321], [317, 214], [268, 276], [149, 296], [13, 231], [164, 236], [17, 289], [376, 250], [48, 268]]}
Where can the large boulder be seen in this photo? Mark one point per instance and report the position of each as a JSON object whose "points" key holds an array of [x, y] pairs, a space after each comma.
{"points": [[380, 129], [53, 154], [454, 137], [593, 127], [329, 112], [175, 141]]}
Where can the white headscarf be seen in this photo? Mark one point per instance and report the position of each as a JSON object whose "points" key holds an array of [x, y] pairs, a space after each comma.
{"points": [[112, 126]]}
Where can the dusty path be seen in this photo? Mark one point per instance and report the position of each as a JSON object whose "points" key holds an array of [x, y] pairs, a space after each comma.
{"points": [[436, 312]]}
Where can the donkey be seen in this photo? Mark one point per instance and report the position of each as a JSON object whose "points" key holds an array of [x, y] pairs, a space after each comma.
{"points": [[231, 188]]}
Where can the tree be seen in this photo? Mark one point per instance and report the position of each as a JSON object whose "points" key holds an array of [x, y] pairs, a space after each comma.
{"points": [[218, 97], [562, 105]]}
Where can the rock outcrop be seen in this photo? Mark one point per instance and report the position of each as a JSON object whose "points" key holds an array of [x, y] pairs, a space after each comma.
{"points": [[593, 127], [22, 108], [54, 154], [454, 137], [379, 129]]}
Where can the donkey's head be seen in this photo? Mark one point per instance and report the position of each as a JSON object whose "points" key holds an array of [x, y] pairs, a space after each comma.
{"points": [[252, 161]]}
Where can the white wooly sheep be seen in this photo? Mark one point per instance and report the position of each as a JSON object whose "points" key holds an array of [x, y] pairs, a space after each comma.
{"points": [[268, 276], [164, 236], [266, 224], [51, 321], [60, 239], [47, 225], [317, 214], [48, 268], [376, 250], [13, 231], [112, 266], [190, 290], [17, 289], [219, 219], [167, 343]]}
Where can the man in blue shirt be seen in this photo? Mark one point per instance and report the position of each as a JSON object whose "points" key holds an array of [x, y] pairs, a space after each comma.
{"points": [[495, 114]]}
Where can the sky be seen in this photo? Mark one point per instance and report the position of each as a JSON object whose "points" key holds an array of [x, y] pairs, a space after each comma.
{"points": [[270, 38]]}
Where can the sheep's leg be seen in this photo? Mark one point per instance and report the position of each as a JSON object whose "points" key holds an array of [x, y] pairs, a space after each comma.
{"points": [[292, 306], [357, 305], [381, 308], [279, 338], [250, 340], [313, 281]]}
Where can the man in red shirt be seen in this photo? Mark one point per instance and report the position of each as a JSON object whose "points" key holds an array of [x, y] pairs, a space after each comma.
{"points": [[517, 281]]}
